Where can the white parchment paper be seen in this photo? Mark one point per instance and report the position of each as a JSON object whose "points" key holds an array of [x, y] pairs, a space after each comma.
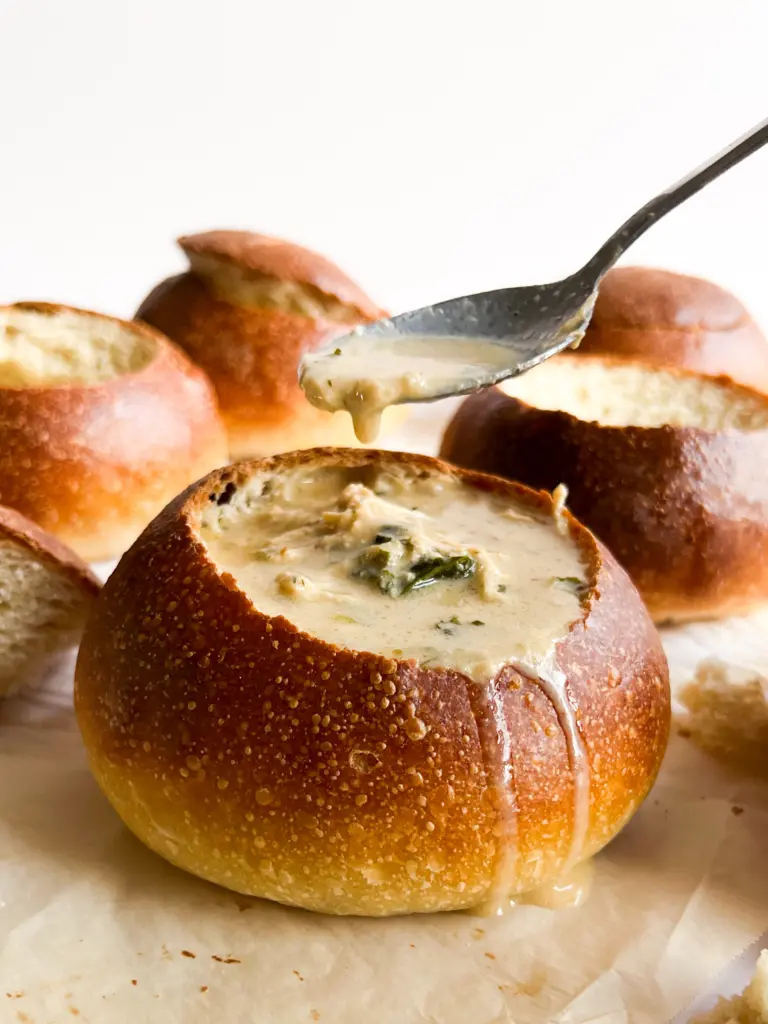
{"points": [[95, 928]]}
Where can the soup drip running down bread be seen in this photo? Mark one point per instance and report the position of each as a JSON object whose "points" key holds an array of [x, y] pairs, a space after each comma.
{"points": [[416, 568], [45, 351]]}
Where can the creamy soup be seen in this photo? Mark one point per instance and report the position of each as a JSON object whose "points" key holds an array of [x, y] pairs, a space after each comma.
{"points": [[39, 349], [425, 568], [408, 568], [364, 375]]}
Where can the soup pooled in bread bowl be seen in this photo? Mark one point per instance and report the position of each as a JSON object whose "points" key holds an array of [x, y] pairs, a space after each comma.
{"points": [[364, 682], [46, 594], [102, 422]]}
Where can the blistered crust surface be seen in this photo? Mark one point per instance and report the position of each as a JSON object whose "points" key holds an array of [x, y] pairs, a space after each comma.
{"points": [[92, 464], [274, 764]]}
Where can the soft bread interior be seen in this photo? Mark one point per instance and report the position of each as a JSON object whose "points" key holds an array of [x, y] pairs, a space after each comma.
{"points": [[40, 348], [622, 395], [400, 562], [43, 609], [726, 714], [242, 287]]}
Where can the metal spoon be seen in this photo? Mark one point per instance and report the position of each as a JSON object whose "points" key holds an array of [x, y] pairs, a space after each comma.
{"points": [[537, 321]]}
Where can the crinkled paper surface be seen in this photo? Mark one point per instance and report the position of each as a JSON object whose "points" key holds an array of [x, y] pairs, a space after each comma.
{"points": [[95, 928]]}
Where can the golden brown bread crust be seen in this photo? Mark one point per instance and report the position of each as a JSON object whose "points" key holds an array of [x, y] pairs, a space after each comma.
{"points": [[252, 357], [684, 510], [674, 320], [275, 764], [286, 261], [93, 463], [250, 352], [17, 528]]}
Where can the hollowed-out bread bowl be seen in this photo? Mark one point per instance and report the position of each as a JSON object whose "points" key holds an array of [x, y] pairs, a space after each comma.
{"points": [[46, 594], [668, 467], [267, 708], [673, 320], [246, 311], [102, 422]]}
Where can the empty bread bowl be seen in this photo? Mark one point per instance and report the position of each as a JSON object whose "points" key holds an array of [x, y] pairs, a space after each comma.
{"points": [[668, 467], [46, 594], [246, 311], [672, 320], [364, 682], [101, 423]]}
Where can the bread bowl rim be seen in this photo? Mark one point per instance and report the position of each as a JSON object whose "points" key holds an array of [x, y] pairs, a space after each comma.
{"points": [[162, 349], [720, 380], [235, 251]]}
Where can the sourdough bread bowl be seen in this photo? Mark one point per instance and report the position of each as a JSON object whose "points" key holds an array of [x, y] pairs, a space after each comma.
{"points": [[46, 594], [102, 422], [668, 467], [364, 682], [673, 320], [246, 311]]}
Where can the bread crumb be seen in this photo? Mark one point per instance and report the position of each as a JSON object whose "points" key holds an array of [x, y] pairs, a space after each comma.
{"points": [[726, 714], [559, 498], [751, 1007]]}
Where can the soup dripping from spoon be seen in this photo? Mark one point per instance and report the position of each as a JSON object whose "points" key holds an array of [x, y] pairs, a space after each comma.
{"points": [[463, 344]]}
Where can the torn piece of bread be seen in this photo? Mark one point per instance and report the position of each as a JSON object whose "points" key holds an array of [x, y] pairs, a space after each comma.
{"points": [[663, 464], [751, 1007], [46, 594], [727, 714]]}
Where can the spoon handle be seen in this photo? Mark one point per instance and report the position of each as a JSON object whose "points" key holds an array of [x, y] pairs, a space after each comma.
{"points": [[671, 197]]}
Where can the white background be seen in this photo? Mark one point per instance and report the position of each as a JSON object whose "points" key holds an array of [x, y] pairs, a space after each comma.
{"points": [[431, 147]]}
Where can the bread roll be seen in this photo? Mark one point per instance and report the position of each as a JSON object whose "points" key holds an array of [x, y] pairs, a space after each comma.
{"points": [[677, 321], [668, 467], [101, 423], [364, 682], [725, 712], [246, 311], [46, 593]]}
